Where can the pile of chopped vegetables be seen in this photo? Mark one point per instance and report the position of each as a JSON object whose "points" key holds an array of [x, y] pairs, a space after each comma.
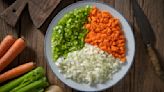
{"points": [[68, 35], [89, 65], [105, 32], [88, 45]]}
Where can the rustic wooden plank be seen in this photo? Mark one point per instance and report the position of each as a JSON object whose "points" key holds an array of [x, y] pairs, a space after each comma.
{"points": [[5, 30], [35, 44], [139, 62], [13, 12], [35, 41], [151, 83], [39, 10]]}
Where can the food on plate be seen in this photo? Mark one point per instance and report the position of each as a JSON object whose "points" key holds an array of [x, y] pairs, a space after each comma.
{"points": [[13, 51], [34, 81], [90, 65], [68, 35], [106, 33], [54, 88], [101, 52], [6, 43], [17, 71]]}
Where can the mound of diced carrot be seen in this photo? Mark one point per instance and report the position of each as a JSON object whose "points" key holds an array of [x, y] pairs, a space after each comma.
{"points": [[106, 33]]}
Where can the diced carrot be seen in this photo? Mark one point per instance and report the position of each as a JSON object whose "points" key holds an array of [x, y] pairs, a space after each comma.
{"points": [[123, 59], [105, 32], [87, 26], [114, 48], [122, 48], [94, 11], [88, 40]]}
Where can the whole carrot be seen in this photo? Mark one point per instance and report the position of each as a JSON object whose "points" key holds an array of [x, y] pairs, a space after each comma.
{"points": [[10, 55], [6, 43], [15, 72]]}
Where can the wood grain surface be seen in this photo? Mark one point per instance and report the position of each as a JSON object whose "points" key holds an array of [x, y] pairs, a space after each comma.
{"points": [[39, 11], [141, 76]]}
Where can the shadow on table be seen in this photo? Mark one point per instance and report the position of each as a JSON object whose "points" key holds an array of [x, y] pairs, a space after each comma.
{"points": [[161, 59], [27, 55]]}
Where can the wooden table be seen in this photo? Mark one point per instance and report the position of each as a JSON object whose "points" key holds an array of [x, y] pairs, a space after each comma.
{"points": [[140, 78]]}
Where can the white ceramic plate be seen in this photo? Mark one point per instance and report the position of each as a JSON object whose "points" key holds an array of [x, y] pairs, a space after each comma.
{"points": [[129, 55]]}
